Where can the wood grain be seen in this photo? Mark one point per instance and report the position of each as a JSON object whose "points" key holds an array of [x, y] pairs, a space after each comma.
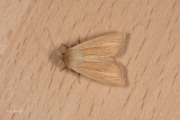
{"points": [[31, 88]]}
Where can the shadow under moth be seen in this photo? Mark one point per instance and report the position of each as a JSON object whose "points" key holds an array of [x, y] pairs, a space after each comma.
{"points": [[95, 58]]}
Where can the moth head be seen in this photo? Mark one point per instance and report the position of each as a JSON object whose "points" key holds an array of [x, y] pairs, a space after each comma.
{"points": [[61, 52], [63, 56]]}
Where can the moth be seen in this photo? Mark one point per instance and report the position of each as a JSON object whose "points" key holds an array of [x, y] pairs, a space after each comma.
{"points": [[95, 58]]}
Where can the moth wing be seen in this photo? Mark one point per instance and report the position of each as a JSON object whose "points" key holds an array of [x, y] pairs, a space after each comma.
{"points": [[107, 45], [105, 72], [93, 59]]}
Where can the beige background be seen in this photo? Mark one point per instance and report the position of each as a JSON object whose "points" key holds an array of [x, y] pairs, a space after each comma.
{"points": [[29, 89]]}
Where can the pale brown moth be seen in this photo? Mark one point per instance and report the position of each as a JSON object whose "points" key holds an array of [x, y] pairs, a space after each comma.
{"points": [[95, 58]]}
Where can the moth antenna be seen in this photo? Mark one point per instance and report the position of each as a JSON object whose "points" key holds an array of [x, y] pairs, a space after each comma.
{"points": [[53, 43]]}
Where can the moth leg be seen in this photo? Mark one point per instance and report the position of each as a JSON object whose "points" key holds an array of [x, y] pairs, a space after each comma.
{"points": [[62, 69], [79, 75], [79, 41], [65, 46], [61, 65]]}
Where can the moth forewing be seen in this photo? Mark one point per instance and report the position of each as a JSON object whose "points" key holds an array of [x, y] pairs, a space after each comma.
{"points": [[107, 45], [94, 59]]}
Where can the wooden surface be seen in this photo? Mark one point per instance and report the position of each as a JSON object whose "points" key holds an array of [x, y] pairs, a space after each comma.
{"points": [[31, 90]]}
